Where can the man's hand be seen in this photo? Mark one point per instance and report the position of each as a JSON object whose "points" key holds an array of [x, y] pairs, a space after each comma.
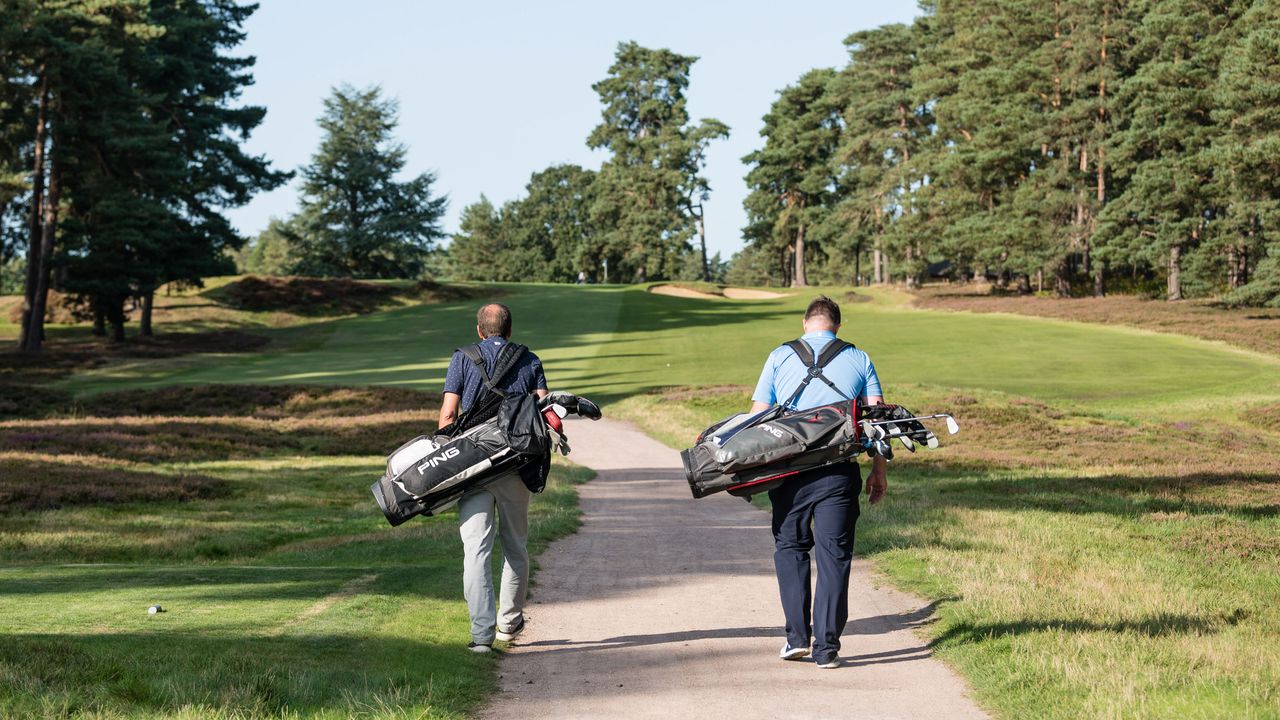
{"points": [[877, 484]]}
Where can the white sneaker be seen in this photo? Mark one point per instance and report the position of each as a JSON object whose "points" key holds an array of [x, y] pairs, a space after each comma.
{"points": [[479, 648], [790, 653], [834, 662], [509, 635]]}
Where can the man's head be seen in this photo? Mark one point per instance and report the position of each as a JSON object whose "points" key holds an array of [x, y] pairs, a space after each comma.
{"points": [[823, 314], [492, 320]]}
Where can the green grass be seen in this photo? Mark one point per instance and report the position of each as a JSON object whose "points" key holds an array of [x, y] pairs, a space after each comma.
{"points": [[615, 342], [289, 598], [1103, 539]]}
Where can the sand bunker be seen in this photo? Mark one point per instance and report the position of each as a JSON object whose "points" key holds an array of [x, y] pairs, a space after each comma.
{"points": [[729, 292], [745, 294], [676, 291]]}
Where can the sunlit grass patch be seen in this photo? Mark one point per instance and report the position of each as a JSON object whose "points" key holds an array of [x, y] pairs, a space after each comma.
{"points": [[1085, 565]]}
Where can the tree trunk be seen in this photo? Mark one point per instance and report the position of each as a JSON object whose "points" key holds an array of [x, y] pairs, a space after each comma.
{"points": [[1233, 266], [1039, 280], [702, 237], [144, 324], [800, 280], [36, 231], [877, 262], [99, 320], [1175, 268], [1062, 278], [1024, 284], [35, 334], [1099, 279], [115, 315]]}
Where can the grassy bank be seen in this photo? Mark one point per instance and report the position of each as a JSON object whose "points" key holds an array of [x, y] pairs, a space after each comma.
{"points": [[286, 594]]}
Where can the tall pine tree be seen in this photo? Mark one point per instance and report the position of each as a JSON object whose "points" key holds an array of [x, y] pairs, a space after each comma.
{"points": [[357, 219], [649, 193]]}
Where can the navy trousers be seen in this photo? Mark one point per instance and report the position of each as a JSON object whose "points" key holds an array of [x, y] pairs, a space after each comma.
{"points": [[815, 511]]}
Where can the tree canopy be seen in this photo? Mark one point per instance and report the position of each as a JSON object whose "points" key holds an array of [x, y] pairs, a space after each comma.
{"points": [[356, 218]]}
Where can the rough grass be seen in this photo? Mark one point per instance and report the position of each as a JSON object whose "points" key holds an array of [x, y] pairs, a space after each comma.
{"points": [[257, 401], [44, 482], [1251, 328], [312, 296], [59, 309], [1084, 566], [61, 357], [287, 594]]}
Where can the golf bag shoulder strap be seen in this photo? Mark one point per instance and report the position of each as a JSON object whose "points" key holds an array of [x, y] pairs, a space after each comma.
{"points": [[508, 356], [815, 362]]}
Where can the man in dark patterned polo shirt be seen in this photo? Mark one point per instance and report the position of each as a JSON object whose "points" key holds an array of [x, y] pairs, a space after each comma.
{"points": [[500, 507]]}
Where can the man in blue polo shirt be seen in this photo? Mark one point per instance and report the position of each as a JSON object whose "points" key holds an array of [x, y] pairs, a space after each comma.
{"points": [[500, 507], [818, 508]]}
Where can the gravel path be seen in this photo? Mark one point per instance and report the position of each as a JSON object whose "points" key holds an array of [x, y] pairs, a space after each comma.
{"points": [[666, 607]]}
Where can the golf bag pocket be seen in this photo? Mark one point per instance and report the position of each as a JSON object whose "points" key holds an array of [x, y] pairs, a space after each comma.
{"points": [[409, 454], [703, 471], [443, 466], [787, 437]]}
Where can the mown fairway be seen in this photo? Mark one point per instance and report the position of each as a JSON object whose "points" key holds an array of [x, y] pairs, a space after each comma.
{"points": [[1102, 538]]}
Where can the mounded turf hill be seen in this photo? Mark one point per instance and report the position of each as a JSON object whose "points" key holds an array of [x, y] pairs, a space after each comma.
{"points": [[1102, 539]]}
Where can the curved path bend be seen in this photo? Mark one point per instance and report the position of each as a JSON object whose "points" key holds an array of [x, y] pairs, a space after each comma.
{"points": [[666, 607]]}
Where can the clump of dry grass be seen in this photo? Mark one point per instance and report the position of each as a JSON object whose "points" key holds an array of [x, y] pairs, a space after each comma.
{"points": [[1254, 328], [1266, 416], [45, 482], [61, 357], [60, 309], [304, 295], [188, 439], [258, 401]]}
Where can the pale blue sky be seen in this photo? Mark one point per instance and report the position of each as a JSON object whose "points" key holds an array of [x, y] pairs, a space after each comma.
{"points": [[491, 92]]}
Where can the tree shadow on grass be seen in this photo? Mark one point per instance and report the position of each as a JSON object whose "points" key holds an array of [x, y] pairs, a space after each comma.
{"points": [[1152, 626]]}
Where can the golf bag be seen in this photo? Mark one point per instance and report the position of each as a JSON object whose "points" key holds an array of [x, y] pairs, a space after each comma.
{"points": [[746, 454], [429, 474], [750, 454]]}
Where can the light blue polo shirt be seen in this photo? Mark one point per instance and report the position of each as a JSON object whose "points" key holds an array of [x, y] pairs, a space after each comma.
{"points": [[783, 372]]}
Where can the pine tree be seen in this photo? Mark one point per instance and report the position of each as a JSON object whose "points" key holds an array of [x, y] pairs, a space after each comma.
{"points": [[884, 129], [649, 193], [1247, 155], [356, 218], [791, 177], [1166, 129]]}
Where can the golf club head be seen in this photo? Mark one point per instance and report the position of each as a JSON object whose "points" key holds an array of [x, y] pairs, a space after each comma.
{"points": [[588, 409], [553, 418], [872, 432], [560, 397], [886, 450], [953, 427], [932, 441], [907, 443]]}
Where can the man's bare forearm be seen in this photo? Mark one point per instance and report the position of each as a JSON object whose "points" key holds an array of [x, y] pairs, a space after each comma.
{"points": [[448, 409]]}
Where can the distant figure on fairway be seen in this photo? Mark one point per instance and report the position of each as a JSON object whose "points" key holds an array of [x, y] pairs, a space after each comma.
{"points": [[502, 506], [582, 277], [818, 507]]}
